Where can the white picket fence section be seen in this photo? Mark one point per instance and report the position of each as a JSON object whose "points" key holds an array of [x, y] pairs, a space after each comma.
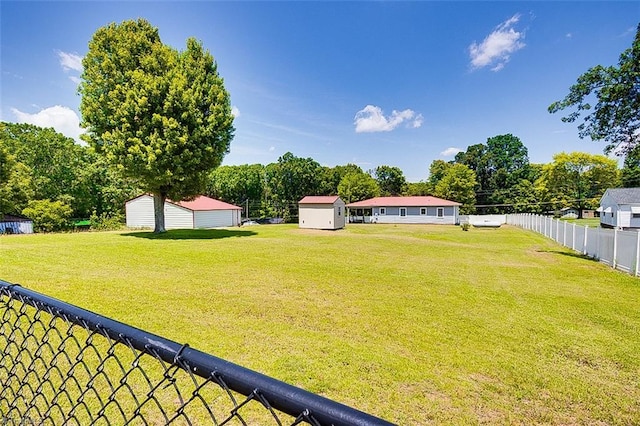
{"points": [[616, 248]]}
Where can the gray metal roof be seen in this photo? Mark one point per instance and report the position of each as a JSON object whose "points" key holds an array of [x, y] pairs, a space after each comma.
{"points": [[625, 195]]}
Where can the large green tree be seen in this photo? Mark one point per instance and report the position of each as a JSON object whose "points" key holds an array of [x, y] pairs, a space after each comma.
{"points": [[291, 179], [577, 179], [458, 184], [391, 180], [631, 169], [615, 117], [162, 116], [357, 186], [238, 184]]}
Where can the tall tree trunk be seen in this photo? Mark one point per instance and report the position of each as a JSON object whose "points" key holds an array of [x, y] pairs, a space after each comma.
{"points": [[158, 210]]}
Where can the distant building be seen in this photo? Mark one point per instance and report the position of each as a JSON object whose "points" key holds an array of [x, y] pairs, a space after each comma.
{"points": [[620, 208], [321, 212], [202, 212], [13, 224], [415, 210]]}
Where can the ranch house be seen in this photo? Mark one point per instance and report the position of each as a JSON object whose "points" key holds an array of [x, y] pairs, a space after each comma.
{"points": [[414, 210], [202, 212]]}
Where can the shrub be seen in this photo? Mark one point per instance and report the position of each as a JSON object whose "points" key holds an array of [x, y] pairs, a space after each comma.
{"points": [[48, 216], [465, 226], [106, 221]]}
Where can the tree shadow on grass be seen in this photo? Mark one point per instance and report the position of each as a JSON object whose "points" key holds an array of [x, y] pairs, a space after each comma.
{"points": [[568, 253], [191, 234]]}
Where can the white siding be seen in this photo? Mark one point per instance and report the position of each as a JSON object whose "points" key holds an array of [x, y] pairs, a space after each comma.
{"points": [[215, 218], [607, 218], [176, 217], [139, 212]]}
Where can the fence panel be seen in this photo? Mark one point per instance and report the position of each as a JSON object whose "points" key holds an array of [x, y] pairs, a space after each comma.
{"points": [[626, 251], [60, 364], [607, 237], [578, 242]]}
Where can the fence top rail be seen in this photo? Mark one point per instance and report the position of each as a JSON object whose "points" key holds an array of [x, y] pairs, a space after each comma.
{"points": [[280, 395]]}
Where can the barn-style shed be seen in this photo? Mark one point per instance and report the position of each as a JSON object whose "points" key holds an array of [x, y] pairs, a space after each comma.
{"points": [[202, 212], [321, 212]]}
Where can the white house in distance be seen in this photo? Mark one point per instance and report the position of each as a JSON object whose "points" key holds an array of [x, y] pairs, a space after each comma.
{"points": [[321, 212], [422, 209], [203, 212], [620, 208]]}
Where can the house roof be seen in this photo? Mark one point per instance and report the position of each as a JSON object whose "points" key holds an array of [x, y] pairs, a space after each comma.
{"points": [[202, 203], [319, 199], [422, 201], [624, 195], [13, 218]]}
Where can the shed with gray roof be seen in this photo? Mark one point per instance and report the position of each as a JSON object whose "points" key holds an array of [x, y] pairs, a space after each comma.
{"points": [[620, 208]]}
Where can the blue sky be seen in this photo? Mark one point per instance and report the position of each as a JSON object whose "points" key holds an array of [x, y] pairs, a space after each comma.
{"points": [[371, 83]]}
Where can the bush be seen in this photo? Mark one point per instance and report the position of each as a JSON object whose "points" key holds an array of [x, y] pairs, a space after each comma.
{"points": [[106, 221], [48, 216], [465, 226]]}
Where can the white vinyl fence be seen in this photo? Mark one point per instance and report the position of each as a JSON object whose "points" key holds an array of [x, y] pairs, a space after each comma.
{"points": [[616, 248]]}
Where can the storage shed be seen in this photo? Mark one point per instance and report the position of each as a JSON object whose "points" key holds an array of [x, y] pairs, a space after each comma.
{"points": [[202, 212], [321, 212], [12, 224]]}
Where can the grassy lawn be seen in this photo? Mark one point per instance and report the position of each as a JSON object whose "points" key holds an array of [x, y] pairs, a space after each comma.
{"points": [[592, 222], [416, 324]]}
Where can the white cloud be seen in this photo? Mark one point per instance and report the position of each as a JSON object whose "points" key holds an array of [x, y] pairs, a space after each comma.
{"points": [[496, 49], [61, 118], [372, 119], [70, 61], [449, 152], [272, 148], [235, 112]]}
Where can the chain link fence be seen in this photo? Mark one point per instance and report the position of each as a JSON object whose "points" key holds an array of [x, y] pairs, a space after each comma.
{"points": [[60, 364]]}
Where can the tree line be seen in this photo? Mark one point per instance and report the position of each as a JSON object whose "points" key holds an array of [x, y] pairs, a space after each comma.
{"points": [[50, 178]]}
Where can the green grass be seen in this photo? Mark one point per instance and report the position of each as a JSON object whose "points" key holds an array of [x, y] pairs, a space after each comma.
{"points": [[416, 324], [592, 222]]}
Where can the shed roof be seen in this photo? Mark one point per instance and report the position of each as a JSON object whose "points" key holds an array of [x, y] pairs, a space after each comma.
{"points": [[418, 201], [203, 203], [13, 218], [624, 195], [319, 199]]}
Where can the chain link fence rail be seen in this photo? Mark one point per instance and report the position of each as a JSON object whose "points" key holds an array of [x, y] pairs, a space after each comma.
{"points": [[60, 364]]}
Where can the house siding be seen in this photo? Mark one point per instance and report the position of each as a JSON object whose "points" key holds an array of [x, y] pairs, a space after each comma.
{"points": [[392, 215]]}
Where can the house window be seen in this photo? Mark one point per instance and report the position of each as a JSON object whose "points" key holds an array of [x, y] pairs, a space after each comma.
{"points": [[383, 210], [636, 215], [423, 211], [403, 211], [440, 212]]}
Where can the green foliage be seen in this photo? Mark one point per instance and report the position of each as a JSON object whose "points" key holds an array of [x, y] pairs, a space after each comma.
{"points": [[577, 179], [631, 169], [107, 221], [162, 116], [390, 180], [419, 188], [465, 226], [357, 186], [236, 184], [615, 117], [48, 216], [457, 184], [292, 178]]}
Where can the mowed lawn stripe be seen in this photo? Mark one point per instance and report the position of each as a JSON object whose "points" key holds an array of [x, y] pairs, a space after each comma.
{"points": [[417, 324]]}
